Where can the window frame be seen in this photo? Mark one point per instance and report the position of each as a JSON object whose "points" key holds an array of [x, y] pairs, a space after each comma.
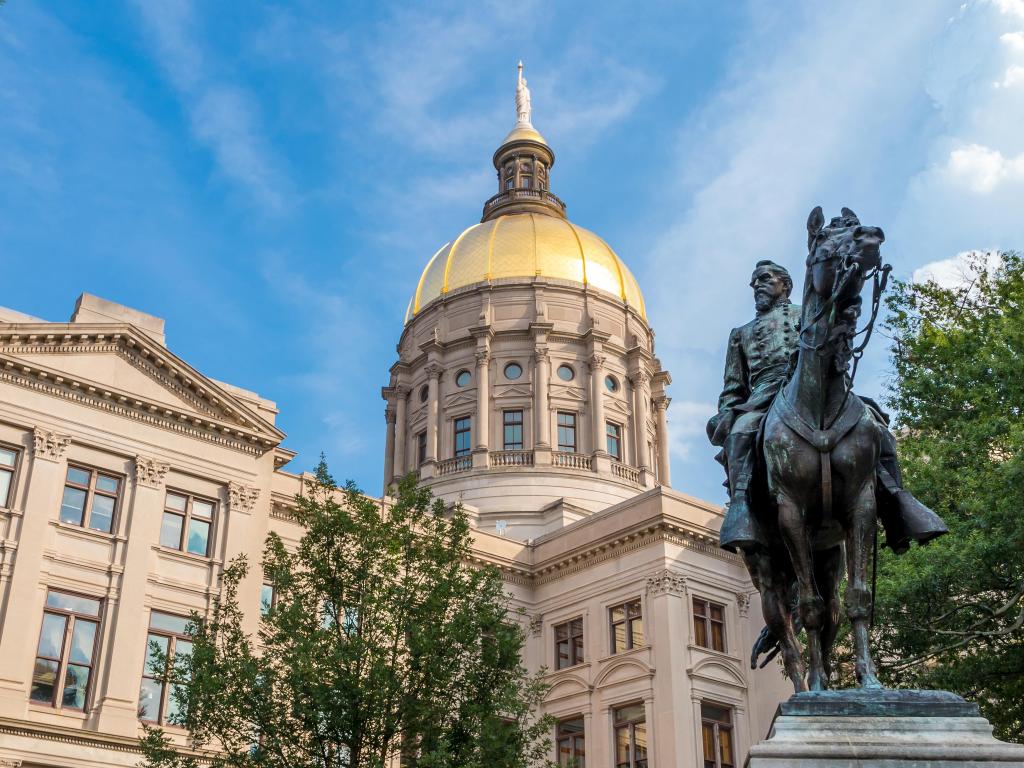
{"points": [[613, 431], [91, 492], [576, 742], [562, 447], [12, 471], [165, 687], [273, 598], [513, 445], [421, 448], [717, 728], [509, 364], [186, 518], [629, 725], [576, 652], [707, 624], [71, 618], [457, 432], [628, 619]]}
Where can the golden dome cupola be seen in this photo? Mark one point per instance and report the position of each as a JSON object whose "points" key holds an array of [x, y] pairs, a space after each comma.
{"points": [[523, 162]]}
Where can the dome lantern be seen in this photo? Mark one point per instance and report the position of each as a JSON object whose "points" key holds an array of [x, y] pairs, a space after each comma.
{"points": [[523, 162]]}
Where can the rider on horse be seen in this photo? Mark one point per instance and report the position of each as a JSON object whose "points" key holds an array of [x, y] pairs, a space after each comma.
{"points": [[758, 363]]}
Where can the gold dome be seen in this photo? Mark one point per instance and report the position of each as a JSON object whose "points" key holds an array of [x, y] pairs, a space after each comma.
{"points": [[523, 132], [525, 245]]}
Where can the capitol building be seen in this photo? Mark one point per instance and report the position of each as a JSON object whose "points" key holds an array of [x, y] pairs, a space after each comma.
{"points": [[526, 387]]}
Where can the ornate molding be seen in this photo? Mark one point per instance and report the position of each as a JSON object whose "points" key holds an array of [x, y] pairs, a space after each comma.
{"points": [[536, 624], [666, 582], [50, 445], [597, 361], [483, 357], [433, 370], [743, 603], [150, 472], [4, 763], [242, 498]]}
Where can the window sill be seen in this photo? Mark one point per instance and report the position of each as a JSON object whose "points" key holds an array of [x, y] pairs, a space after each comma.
{"points": [[83, 532], [636, 650], [11, 511], [721, 654], [574, 668], [77, 716], [187, 557]]}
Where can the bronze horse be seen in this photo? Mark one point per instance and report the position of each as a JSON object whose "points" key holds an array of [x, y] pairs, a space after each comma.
{"points": [[821, 446]]}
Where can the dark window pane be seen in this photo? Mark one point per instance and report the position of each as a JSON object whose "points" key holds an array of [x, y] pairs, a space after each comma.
{"points": [[700, 633], [463, 378], [170, 530], [198, 536], [619, 638], [630, 713], [83, 637], [618, 613], [708, 738], [156, 653], [76, 684], [699, 608], [150, 694], [44, 676], [173, 713], [717, 637], [725, 746], [72, 505], [562, 652], [577, 648], [79, 476], [622, 747], [714, 712], [73, 603], [7, 457], [176, 502], [51, 639], [640, 745], [513, 371], [168, 622], [577, 626], [266, 598], [102, 516], [5, 487], [716, 612], [106, 483]]}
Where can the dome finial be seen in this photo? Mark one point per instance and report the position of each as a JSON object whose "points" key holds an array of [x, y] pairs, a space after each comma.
{"points": [[523, 107]]}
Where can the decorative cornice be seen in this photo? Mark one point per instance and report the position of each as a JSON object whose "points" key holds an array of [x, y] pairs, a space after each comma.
{"points": [[150, 472], [49, 445], [666, 582], [242, 498]]}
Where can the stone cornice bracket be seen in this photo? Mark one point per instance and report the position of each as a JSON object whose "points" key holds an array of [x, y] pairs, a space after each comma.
{"points": [[536, 624], [150, 472], [666, 582], [50, 445], [743, 603], [242, 498]]}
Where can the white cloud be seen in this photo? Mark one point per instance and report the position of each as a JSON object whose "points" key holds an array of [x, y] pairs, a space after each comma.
{"points": [[686, 426], [223, 117], [982, 169], [958, 270]]}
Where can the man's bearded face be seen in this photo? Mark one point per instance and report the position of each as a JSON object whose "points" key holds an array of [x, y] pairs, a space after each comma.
{"points": [[769, 287]]}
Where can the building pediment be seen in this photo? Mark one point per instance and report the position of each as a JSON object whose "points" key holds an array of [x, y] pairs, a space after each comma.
{"points": [[122, 370]]}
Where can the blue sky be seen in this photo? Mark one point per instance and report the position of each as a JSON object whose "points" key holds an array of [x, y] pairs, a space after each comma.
{"points": [[271, 178]]}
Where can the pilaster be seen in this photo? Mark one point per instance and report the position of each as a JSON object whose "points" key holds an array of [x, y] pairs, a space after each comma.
{"points": [[400, 467], [666, 605], [664, 463], [434, 371]]}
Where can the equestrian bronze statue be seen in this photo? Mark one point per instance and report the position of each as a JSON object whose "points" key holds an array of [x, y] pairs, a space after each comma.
{"points": [[811, 466]]}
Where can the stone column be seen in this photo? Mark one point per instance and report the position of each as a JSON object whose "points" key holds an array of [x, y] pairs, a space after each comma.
{"points": [[483, 408], [45, 479], [641, 415], [125, 650], [434, 372], [664, 471], [602, 461], [389, 447], [668, 715], [541, 406], [401, 430]]}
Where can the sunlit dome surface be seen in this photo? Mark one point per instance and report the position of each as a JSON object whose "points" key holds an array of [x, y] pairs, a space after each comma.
{"points": [[525, 245]]}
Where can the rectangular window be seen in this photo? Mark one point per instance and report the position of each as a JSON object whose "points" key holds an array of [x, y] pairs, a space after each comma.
{"points": [[266, 599], [570, 743], [614, 433], [64, 658], [168, 639], [187, 523], [567, 432], [708, 624], [627, 626], [716, 735], [513, 430], [510, 183], [421, 448], [630, 737], [526, 181], [569, 643], [463, 436], [8, 461], [90, 499]]}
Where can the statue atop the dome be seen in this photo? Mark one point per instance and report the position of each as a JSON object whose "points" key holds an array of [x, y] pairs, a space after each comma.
{"points": [[523, 108]]}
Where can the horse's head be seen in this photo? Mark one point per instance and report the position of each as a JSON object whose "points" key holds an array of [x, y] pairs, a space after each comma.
{"points": [[841, 254]]}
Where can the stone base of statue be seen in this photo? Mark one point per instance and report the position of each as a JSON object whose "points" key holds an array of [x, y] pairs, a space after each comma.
{"points": [[881, 729]]}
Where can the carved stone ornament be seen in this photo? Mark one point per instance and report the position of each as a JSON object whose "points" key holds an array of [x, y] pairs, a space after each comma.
{"points": [[743, 603], [482, 357], [150, 472], [433, 370], [597, 362], [9, 763], [242, 498], [666, 582], [541, 354], [50, 445], [536, 624]]}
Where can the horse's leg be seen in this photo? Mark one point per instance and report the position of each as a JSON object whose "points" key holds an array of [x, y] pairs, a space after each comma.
{"points": [[793, 525], [828, 575], [775, 607], [859, 540]]}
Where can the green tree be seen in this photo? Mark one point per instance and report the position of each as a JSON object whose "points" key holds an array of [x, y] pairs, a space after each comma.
{"points": [[382, 641], [950, 615]]}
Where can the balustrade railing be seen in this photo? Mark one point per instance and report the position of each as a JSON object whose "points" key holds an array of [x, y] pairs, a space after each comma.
{"points": [[515, 195], [626, 472], [571, 460], [511, 458], [451, 466]]}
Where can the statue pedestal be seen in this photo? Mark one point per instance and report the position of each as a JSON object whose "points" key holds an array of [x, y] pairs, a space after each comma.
{"points": [[881, 729]]}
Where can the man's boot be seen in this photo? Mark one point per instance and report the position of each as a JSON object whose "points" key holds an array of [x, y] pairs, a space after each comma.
{"points": [[904, 518], [740, 530]]}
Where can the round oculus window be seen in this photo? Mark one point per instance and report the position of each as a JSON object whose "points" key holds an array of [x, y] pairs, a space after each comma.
{"points": [[611, 383], [513, 371], [424, 393], [566, 373], [462, 378]]}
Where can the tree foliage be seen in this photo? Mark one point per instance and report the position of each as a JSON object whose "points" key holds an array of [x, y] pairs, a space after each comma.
{"points": [[951, 615], [382, 641]]}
